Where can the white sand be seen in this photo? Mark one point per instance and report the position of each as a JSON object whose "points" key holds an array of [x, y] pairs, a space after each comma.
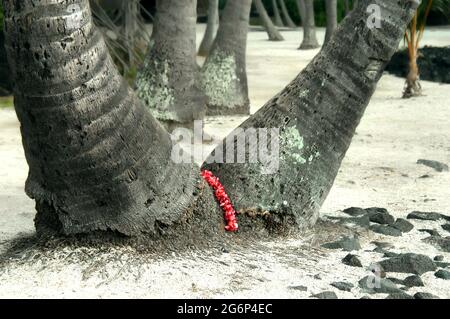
{"points": [[380, 170]]}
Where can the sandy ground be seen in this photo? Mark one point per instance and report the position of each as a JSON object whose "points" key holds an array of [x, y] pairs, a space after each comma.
{"points": [[379, 170]]}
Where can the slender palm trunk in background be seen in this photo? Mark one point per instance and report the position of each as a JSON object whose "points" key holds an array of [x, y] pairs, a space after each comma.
{"points": [[276, 15], [309, 28], [99, 161], [286, 15], [317, 114], [168, 82], [346, 6], [211, 28], [223, 76], [97, 158], [272, 31], [331, 12], [301, 10]]}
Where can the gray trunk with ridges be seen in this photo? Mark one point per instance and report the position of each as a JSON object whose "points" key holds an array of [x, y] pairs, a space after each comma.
{"points": [[211, 28], [272, 31], [97, 158], [331, 12], [301, 10], [317, 114], [286, 15], [168, 82], [309, 28], [223, 76], [276, 15]]}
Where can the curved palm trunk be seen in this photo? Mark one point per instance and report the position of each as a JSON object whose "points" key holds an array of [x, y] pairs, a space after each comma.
{"points": [[309, 27], [276, 14], [272, 31], [317, 115], [286, 15], [301, 10], [211, 28], [331, 12], [223, 76], [97, 159], [168, 81]]}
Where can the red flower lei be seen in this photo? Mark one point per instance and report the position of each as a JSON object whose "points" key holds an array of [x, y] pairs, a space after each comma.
{"points": [[223, 199]]}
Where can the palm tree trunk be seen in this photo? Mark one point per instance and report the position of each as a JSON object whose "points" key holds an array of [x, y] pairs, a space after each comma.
{"points": [[286, 15], [223, 76], [276, 15], [272, 31], [331, 12], [301, 10], [309, 28], [317, 115], [98, 160], [168, 82], [412, 84], [211, 28]]}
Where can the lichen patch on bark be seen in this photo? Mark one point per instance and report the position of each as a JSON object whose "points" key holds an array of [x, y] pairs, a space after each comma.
{"points": [[220, 81]]}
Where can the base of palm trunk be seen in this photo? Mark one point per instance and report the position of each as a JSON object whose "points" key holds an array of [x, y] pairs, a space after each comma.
{"points": [[309, 46], [214, 110], [412, 89]]}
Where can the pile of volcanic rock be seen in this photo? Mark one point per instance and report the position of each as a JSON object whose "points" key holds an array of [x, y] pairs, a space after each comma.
{"points": [[381, 221]]}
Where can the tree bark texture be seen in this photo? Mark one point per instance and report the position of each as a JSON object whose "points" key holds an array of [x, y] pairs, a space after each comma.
{"points": [[98, 160], [223, 76], [168, 82], [317, 114], [272, 31]]}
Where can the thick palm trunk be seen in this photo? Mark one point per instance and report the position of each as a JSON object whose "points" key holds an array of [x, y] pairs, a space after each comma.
{"points": [[168, 80], [286, 15], [331, 12], [317, 115], [97, 159], [309, 27], [276, 14], [211, 28], [272, 31], [223, 76]]}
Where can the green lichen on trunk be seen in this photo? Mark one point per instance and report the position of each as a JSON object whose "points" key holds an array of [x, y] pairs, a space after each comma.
{"points": [[220, 82], [154, 89], [292, 145]]}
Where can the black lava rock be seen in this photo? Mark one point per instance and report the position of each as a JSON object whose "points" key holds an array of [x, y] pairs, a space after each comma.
{"points": [[351, 260], [403, 225], [354, 211], [443, 274], [437, 166], [346, 243], [408, 263], [438, 258], [446, 227], [424, 216], [300, 288], [325, 295], [380, 216], [344, 286], [373, 284], [425, 295], [432, 232], [442, 264], [386, 230], [413, 281], [399, 295]]}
